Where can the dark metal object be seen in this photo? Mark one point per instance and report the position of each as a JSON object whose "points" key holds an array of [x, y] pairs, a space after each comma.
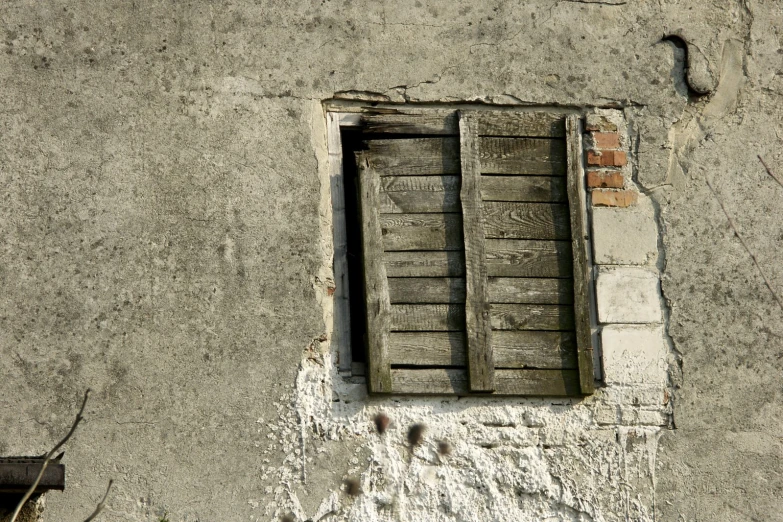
{"points": [[17, 474]]}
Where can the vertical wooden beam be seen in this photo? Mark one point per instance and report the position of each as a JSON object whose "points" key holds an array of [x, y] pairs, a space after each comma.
{"points": [[341, 335], [481, 363], [579, 236], [375, 283]]}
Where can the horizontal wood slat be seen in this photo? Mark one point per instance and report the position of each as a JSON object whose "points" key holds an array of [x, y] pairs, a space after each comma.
{"points": [[421, 231], [529, 258], [499, 123], [536, 349], [427, 290], [420, 194], [546, 383], [522, 156], [512, 349], [531, 317], [414, 157], [544, 189], [425, 264], [530, 290], [500, 290], [505, 258], [526, 221], [427, 317], [414, 121]]}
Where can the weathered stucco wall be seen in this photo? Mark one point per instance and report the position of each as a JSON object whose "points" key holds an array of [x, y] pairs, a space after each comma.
{"points": [[164, 240]]}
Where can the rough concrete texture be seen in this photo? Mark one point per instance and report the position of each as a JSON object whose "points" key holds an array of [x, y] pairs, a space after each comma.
{"points": [[164, 240]]}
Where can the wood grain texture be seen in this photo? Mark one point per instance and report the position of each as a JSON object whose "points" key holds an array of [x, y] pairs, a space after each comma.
{"points": [[414, 157], [579, 237], [546, 383], [378, 307], [420, 194], [534, 349], [523, 156], [427, 317], [531, 317], [503, 123], [530, 189], [528, 258], [413, 121], [481, 365], [428, 349], [425, 264], [439, 290], [421, 231], [504, 220], [530, 290], [511, 349], [442, 290]]}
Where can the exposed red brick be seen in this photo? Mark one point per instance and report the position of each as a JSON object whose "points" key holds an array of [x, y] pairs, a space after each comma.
{"points": [[605, 179], [330, 291], [607, 158], [613, 198], [620, 159], [593, 158], [606, 140]]}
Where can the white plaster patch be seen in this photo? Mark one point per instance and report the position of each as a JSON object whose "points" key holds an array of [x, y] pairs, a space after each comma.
{"points": [[634, 354], [625, 236], [628, 295]]}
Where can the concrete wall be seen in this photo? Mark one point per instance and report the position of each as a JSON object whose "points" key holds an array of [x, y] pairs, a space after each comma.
{"points": [[165, 241]]}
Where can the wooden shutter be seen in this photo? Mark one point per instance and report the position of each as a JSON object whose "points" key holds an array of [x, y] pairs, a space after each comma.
{"points": [[469, 274]]}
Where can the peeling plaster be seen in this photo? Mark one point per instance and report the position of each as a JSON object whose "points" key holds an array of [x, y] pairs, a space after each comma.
{"points": [[589, 459]]}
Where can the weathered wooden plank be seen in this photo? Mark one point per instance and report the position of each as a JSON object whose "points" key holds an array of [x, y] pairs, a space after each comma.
{"points": [[438, 290], [531, 317], [546, 383], [375, 282], [532, 349], [428, 349], [442, 290], [427, 317], [530, 290], [481, 363], [414, 157], [543, 189], [523, 156], [505, 258], [341, 335], [413, 121], [421, 231], [526, 220], [426, 264], [423, 194], [512, 349], [528, 258], [579, 237], [502, 123]]}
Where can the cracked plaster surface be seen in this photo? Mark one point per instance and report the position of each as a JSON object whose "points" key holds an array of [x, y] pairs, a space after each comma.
{"points": [[161, 199]]}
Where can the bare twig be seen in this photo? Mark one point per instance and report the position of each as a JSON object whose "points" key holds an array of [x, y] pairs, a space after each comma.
{"points": [[48, 459], [744, 244], [769, 171], [101, 504]]}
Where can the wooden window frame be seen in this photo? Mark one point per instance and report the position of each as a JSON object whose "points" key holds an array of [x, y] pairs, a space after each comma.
{"points": [[420, 120]]}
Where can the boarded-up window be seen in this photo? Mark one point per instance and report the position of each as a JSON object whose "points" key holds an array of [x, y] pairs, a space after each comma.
{"points": [[474, 255]]}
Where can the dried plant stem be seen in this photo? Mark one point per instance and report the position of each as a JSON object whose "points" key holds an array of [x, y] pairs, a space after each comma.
{"points": [[745, 245], [48, 459], [101, 504], [769, 171]]}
